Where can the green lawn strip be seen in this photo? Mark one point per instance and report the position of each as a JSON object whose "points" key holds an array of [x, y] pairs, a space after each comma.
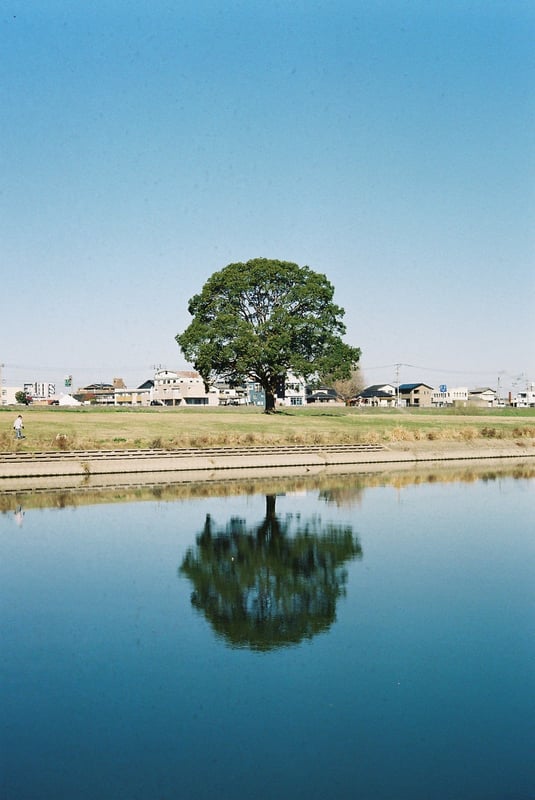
{"points": [[53, 428]]}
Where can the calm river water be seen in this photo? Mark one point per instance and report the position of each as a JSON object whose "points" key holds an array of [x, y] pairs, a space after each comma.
{"points": [[330, 640]]}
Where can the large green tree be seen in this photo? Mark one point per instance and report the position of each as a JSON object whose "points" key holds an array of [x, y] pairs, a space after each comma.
{"points": [[263, 319]]}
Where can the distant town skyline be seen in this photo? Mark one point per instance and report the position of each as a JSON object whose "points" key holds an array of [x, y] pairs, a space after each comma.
{"points": [[389, 145], [504, 382]]}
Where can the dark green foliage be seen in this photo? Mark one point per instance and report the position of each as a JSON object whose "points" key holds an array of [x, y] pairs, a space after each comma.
{"points": [[263, 319], [22, 397], [273, 584]]}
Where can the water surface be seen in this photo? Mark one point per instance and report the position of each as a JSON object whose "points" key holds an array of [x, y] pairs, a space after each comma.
{"points": [[344, 642]]}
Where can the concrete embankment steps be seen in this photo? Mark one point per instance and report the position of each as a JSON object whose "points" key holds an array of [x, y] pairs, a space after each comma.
{"points": [[204, 460], [95, 462], [55, 455]]}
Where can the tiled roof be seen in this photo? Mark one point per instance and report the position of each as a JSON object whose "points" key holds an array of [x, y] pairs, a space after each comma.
{"points": [[373, 392], [409, 387], [376, 387]]}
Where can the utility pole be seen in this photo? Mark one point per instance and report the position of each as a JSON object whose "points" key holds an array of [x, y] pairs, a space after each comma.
{"points": [[398, 367], [1, 384]]}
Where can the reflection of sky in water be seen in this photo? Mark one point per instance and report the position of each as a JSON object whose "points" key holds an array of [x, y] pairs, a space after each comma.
{"points": [[114, 685]]}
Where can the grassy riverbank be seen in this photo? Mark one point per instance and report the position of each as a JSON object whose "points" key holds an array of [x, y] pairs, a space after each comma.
{"points": [[89, 427]]}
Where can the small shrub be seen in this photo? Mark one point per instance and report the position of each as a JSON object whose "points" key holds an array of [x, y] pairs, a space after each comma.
{"points": [[400, 434], [372, 437], [528, 431], [467, 434], [62, 441], [491, 433]]}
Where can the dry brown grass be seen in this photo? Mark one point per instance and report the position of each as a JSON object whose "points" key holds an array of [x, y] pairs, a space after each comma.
{"points": [[465, 434], [526, 431], [116, 429], [400, 434]]}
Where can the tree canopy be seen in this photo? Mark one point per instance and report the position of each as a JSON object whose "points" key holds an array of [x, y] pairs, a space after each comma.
{"points": [[263, 319], [22, 397]]}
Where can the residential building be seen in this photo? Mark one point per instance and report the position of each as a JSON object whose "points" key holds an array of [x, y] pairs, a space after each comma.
{"points": [[142, 396], [184, 387], [379, 394], [294, 392], [291, 391], [231, 394], [524, 399], [255, 394], [416, 395], [99, 393], [7, 395], [483, 397], [325, 395]]}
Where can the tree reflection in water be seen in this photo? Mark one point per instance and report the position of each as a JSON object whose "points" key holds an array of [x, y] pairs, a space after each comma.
{"points": [[273, 584]]}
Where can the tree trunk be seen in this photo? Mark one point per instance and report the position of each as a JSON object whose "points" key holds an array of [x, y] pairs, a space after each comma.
{"points": [[270, 401]]}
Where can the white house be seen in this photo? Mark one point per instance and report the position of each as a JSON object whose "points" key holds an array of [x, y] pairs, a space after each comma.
{"points": [[379, 394], [7, 395], [483, 397], [525, 399], [142, 396], [294, 392], [291, 392], [230, 395], [182, 388]]}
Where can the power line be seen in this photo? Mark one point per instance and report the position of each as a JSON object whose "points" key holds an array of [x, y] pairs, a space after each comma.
{"points": [[397, 365], [72, 366]]}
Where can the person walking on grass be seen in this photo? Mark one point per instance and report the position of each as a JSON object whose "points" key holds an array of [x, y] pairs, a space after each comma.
{"points": [[18, 425]]}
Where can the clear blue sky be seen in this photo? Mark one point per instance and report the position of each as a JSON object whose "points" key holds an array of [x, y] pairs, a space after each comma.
{"points": [[389, 145]]}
